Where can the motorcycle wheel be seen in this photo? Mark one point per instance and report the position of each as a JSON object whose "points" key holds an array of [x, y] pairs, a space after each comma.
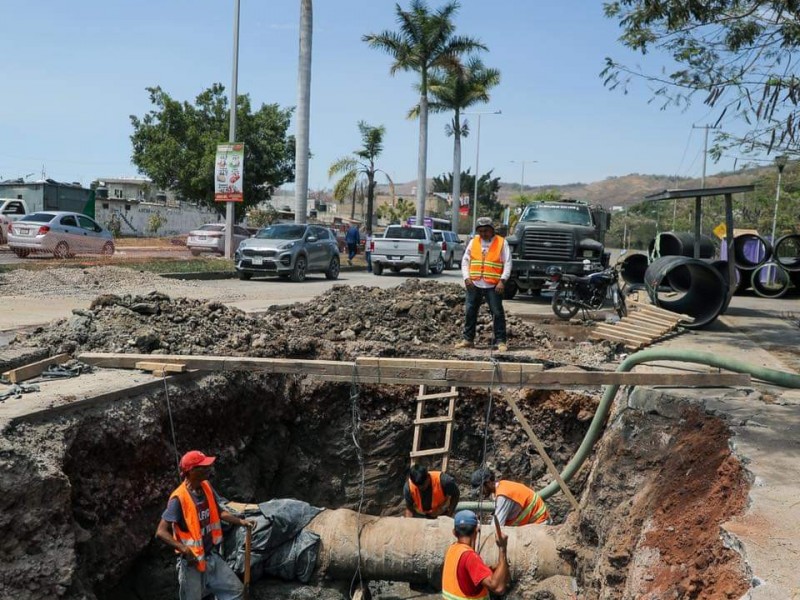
{"points": [[562, 305], [619, 302]]}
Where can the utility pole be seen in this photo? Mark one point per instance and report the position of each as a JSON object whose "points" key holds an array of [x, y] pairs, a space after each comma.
{"points": [[522, 179], [477, 162], [705, 159], [232, 131]]}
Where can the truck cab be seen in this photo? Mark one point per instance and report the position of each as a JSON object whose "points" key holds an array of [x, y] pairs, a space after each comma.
{"points": [[11, 209], [568, 234]]}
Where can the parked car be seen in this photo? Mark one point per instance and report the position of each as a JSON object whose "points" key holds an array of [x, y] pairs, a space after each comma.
{"points": [[289, 251], [406, 246], [11, 209], [452, 247], [211, 238], [61, 233]]}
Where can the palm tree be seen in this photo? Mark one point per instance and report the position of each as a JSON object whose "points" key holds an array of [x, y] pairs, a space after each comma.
{"points": [[425, 41], [361, 164], [303, 110], [456, 90]]}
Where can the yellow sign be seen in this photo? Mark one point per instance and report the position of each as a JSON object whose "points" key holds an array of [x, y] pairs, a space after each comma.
{"points": [[720, 231]]}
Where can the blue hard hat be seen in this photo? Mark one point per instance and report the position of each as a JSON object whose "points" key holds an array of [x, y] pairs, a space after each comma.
{"points": [[466, 517]]}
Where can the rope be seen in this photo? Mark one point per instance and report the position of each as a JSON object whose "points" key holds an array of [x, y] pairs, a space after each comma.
{"points": [[172, 426], [355, 422], [489, 404]]}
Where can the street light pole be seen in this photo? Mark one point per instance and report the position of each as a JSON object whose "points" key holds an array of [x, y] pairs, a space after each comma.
{"points": [[232, 132], [522, 179], [477, 162], [780, 162]]}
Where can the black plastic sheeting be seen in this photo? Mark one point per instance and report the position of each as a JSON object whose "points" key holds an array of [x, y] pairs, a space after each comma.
{"points": [[279, 547], [704, 293]]}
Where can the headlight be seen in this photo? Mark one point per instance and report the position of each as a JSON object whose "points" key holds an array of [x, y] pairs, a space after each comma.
{"points": [[288, 245]]}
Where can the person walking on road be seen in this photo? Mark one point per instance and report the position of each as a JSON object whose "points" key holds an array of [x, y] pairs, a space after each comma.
{"points": [[486, 267], [464, 574], [515, 504], [191, 525], [429, 494], [352, 239]]}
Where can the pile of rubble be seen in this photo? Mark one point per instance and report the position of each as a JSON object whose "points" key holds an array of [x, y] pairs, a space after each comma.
{"points": [[418, 318]]}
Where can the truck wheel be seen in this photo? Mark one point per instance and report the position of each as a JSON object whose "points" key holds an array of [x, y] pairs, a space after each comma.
{"points": [[449, 264], [562, 305], [438, 268], [425, 268], [299, 271], [510, 290], [377, 268]]}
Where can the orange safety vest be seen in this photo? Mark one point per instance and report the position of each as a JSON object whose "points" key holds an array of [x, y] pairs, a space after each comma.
{"points": [[534, 510], [450, 588], [489, 267], [438, 499], [193, 538]]}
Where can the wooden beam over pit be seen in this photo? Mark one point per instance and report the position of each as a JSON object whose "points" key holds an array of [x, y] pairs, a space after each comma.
{"points": [[431, 372]]}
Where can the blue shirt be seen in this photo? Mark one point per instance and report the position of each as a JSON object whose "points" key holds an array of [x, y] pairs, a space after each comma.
{"points": [[352, 236]]}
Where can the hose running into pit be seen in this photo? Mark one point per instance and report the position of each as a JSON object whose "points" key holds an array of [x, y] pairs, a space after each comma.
{"points": [[779, 378]]}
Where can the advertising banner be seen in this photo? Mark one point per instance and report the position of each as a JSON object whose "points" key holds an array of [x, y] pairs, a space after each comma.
{"points": [[229, 173]]}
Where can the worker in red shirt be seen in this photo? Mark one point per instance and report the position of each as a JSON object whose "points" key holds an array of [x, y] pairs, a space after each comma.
{"points": [[464, 574]]}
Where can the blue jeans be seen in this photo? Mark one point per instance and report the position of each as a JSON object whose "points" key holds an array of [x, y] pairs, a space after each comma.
{"points": [[351, 251], [218, 579], [368, 256], [475, 297]]}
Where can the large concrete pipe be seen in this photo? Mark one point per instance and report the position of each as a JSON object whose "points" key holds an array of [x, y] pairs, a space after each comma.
{"points": [[787, 252], [750, 251], [705, 294], [633, 267], [398, 549], [770, 280], [681, 243]]}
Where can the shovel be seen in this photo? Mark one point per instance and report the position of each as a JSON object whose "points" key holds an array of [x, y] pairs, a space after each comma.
{"points": [[247, 541]]}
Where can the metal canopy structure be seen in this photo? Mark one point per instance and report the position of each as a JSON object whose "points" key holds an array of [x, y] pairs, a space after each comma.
{"points": [[699, 194]]}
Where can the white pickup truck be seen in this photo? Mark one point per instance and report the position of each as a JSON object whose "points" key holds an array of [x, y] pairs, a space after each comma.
{"points": [[406, 246], [11, 209]]}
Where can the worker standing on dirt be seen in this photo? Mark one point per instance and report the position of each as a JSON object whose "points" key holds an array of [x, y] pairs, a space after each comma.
{"points": [[464, 574], [191, 525], [486, 267], [515, 504], [429, 494]]}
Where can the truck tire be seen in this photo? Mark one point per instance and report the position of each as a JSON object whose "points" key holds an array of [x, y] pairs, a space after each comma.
{"points": [[424, 268], [510, 290], [377, 268], [438, 267], [449, 264]]}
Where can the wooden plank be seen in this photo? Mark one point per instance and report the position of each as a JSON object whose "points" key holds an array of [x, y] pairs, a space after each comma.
{"points": [[655, 319], [442, 396], [33, 369], [647, 328], [663, 312], [636, 336], [161, 368], [431, 452], [615, 338], [432, 420]]}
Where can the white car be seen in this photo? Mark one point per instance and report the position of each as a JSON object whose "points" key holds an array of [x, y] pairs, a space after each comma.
{"points": [[211, 238], [60, 233]]}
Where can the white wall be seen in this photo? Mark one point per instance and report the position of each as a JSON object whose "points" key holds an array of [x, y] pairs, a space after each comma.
{"points": [[136, 220]]}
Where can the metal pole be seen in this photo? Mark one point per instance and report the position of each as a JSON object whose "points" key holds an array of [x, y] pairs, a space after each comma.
{"points": [[477, 171], [780, 162], [522, 180], [232, 133]]}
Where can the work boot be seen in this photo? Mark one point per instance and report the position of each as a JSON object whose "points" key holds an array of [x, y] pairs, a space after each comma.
{"points": [[464, 344], [502, 347]]}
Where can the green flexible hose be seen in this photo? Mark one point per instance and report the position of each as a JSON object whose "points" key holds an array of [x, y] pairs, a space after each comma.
{"points": [[780, 378]]}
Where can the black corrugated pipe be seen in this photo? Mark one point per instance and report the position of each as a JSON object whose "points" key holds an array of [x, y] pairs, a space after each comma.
{"points": [[632, 268], [703, 297], [770, 280], [750, 251], [722, 268], [681, 243], [787, 252]]}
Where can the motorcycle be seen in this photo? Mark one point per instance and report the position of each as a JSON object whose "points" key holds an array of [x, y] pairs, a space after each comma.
{"points": [[588, 292]]}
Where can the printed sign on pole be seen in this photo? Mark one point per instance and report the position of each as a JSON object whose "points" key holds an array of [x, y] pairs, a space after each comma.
{"points": [[229, 173]]}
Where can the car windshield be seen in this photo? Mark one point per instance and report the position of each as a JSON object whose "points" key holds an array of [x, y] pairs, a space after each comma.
{"points": [[39, 217], [282, 232], [573, 215]]}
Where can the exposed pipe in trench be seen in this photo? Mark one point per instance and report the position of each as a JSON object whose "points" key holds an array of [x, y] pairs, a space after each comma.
{"points": [[412, 550]]}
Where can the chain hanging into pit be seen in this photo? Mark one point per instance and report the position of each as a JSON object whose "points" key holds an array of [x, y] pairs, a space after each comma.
{"points": [[495, 365], [355, 425], [172, 425]]}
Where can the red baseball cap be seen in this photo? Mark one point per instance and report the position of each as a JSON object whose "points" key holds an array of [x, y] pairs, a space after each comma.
{"points": [[195, 458]]}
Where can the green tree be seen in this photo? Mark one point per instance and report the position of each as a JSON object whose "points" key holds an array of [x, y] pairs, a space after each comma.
{"points": [[456, 90], [261, 217], [425, 40], [361, 165], [155, 222], [735, 53], [175, 145], [488, 188], [398, 213]]}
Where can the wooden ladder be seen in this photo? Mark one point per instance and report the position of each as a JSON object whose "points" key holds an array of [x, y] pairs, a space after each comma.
{"points": [[421, 420]]}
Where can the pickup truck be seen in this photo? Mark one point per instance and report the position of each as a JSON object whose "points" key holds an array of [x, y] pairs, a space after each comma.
{"points": [[406, 246], [11, 209]]}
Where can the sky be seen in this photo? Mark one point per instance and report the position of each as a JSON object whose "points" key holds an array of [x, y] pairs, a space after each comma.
{"points": [[73, 73]]}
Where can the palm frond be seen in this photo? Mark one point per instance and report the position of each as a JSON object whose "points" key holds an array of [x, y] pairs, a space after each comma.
{"points": [[342, 165]]}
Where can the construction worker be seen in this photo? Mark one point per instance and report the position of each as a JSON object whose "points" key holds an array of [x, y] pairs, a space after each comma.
{"points": [[464, 574], [191, 524], [515, 503], [486, 267], [429, 494]]}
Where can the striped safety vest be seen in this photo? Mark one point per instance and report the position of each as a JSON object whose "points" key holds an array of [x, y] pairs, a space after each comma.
{"points": [[438, 498], [450, 588], [534, 510], [489, 267], [193, 538]]}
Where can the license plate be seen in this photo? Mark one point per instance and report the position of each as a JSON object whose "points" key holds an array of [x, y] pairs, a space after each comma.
{"points": [[24, 231], [201, 237], [394, 257], [257, 260]]}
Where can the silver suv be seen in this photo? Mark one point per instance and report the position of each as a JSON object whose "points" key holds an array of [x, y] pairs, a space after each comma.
{"points": [[289, 251]]}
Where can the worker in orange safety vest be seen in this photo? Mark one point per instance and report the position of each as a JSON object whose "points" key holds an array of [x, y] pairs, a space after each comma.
{"points": [[429, 494], [464, 574], [191, 525], [515, 504]]}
